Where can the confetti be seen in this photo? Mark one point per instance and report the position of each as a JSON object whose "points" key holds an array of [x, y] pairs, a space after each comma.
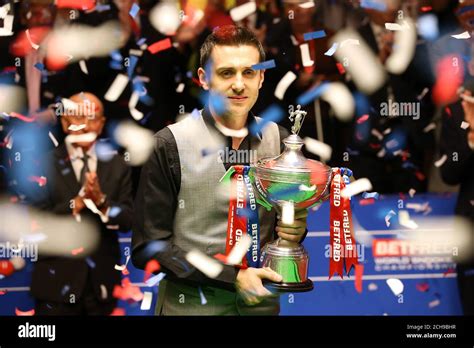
{"points": [[146, 302], [324, 151], [393, 26], [22, 117], [429, 127], [155, 280], [356, 187], [404, 48], [308, 4], [76, 127], [204, 263], [118, 312], [312, 94], [441, 161], [370, 195], [359, 271], [284, 83], [160, 46], [462, 36], [464, 125], [151, 267], [6, 30], [77, 251], [134, 10], [76, 4], [423, 287], [367, 201], [132, 103], [372, 287], [240, 12], [269, 64], [405, 221], [364, 66], [116, 88], [239, 250], [332, 50], [388, 217], [24, 313], [434, 303], [395, 285], [428, 26], [203, 298], [314, 35], [165, 17], [306, 56], [122, 267], [40, 180], [90, 262], [340, 98], [180, 88], [449, 77], [412, 192], [374, 5], [271, 114], [53, 139]]}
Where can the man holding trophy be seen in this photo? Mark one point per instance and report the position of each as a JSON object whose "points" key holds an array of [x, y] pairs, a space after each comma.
{"points": [[182, 203]]}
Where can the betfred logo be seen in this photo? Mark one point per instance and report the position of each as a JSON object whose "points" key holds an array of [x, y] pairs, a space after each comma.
{"points": [[396, 247]]}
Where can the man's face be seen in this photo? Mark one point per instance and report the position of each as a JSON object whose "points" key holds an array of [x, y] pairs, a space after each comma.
{"points": [[232, 77]]}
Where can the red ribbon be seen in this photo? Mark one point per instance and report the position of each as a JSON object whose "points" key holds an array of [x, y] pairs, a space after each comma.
{"points": [[341, 230], [237, 224]]}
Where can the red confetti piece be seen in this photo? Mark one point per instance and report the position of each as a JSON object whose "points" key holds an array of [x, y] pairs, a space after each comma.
{"points": [[449, 271], [221, 257], [9, 69], [41, 180], [118, 312], [22, 117], [359, 271], [448, 111], [341, 69], [77, 251], [24, 313], [151, 267], [76, 4], [426, 8], [6, 268], [449, 72], [362, 119], [420, 176], [22, 46], [402, 196], [125, 272], [375, 146], [160, 46], [423, 287], [127, 291], [367, 201], [3, 292]]}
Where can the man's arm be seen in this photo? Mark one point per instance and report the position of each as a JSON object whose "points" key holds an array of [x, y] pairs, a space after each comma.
{"points": [[155, 208]]}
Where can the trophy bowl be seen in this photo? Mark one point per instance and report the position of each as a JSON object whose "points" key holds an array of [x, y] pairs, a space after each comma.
{"points": [[290, 179]]}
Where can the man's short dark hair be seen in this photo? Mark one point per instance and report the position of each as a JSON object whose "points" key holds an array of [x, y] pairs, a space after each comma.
{"points": [[229, 35]]}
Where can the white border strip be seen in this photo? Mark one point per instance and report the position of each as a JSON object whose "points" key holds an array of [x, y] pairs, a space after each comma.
{"points": [[387, 276], [376, 232]]}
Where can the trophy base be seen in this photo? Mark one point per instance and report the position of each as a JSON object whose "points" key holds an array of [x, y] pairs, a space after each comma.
{"points": [[289, 287]]}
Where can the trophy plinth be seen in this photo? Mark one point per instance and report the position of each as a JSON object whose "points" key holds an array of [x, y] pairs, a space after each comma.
{"points": [[290, 179]]}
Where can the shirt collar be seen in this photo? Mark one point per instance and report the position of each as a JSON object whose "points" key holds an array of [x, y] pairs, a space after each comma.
{"points": [[210, 122], [77, 152]]}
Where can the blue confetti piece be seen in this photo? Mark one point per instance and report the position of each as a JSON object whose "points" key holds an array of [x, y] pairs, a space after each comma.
{"points": [[5, 116], [132, 65], [189, 74], [141, 41], [116, 55], [115, 65], [203, 298], [65, 171], [408, 164], [39, 66], [195, 114], [114, 211], [90, 262], [312, 94], [102, 8], [218, 103], [374, 195], [330, 52], [428, 27], [465, 9], [134, 10], [272, 114], [52, 271], [269, 64], [374, 5], [314, 35], [156, 279], [65, 289]]}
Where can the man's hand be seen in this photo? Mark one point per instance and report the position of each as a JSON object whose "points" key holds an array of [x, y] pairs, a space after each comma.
{"points": [[295, 231], [92, 188], [78, 205], [249, 284], [468, 108]]}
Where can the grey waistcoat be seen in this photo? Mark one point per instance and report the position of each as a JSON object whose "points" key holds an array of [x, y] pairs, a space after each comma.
{"points": [[203, 203]]}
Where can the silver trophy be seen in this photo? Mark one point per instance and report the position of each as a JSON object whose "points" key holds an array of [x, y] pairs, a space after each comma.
{"points": [[291, 180]]}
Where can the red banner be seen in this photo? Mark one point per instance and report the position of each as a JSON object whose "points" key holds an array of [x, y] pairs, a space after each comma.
{"points": [[341, 230]]}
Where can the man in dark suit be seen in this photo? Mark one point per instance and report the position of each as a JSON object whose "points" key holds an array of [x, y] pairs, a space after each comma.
{"points": [[79, 183]]}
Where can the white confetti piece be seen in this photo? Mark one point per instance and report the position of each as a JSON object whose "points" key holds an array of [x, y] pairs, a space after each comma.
{"points": [[239, 250], [404, 48], [294, 41], [423, 93], [319, 148], [357, 187], [441, 161], [308, 4], [76, 127], [237, 133], [462, 36], [83, 66], [4, 10], [6, 30], [240, 12], [341, 100], [93, 208], [393, 26], [116, 88], [132, 103], [53, 139], [395, 285], [372, 287], [332, 49], [156, 279], [288, 213], [103, 291], [207, 265], [180, 88], [429, 127], [412, 192], [305, 55], [284, 83], [388, 217], [146, 302], [112, 227], [464, 125], [376, 134], [405, 221], [350, 42], [165, 17], [434, 303], [126, 135], [203, 298], [359, 61], [81, 138], [122, 267]]}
